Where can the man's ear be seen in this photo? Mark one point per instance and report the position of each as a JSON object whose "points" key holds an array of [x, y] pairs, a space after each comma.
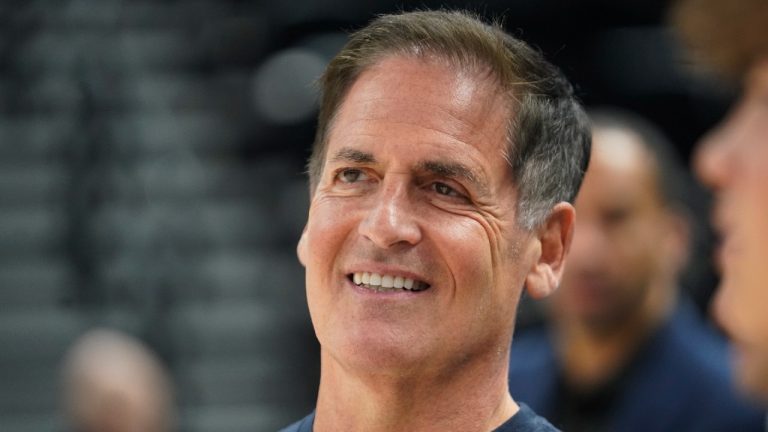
{"points": [[554, 237], [301, 248]]}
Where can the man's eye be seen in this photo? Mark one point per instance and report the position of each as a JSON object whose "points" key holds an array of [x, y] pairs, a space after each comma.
{"points": [[444, 189], [351, 175], [613, 217]]}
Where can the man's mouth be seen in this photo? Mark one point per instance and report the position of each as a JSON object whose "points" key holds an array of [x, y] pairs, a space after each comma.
{"points": [[386, 283], [723, 245]]}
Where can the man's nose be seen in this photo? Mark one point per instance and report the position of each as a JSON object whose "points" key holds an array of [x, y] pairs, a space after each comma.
{"points": [[392, 219], [713, 159]]}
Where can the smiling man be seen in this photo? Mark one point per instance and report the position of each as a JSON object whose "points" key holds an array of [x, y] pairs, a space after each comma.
{"points": [[446, 158]]}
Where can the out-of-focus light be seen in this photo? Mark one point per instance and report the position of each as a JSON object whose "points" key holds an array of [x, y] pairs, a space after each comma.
{"points": [[283, 90]]}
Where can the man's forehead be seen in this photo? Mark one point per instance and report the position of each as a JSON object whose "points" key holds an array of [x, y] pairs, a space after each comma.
{"points": [[410, 89], [622, 167], [426, 117], [619, 149]]}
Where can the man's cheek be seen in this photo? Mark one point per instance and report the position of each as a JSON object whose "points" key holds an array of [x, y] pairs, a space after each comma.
{"points": [[750, 267], [325, 228], [471, 238], [471, 242]]}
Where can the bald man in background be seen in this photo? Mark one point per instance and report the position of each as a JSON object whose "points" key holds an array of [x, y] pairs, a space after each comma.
{"points": [[113, 383], [625, 350]]}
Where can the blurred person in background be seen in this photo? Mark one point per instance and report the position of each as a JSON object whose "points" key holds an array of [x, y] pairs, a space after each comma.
{"points": [[446, 156], [625, 350], [732, 38], [113, 383]]}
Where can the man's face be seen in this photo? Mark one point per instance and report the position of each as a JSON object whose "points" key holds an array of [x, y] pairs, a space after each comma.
{"points": [[733, 160], [620, 243], [415, 191]]}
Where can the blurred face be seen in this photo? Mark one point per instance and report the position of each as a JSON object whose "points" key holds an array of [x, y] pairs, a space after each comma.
{"points": [[413, 259], [618, 243], [733, 160]]}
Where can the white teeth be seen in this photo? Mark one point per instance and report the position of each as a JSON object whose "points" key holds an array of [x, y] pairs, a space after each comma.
{"points": [[386, 282]]}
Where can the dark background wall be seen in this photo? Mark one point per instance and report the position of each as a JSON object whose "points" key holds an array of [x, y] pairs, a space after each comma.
{"points": [[151, 160]]}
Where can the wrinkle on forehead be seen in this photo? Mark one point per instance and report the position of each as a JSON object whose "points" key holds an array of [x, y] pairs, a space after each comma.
{"points": [[469, 92]]}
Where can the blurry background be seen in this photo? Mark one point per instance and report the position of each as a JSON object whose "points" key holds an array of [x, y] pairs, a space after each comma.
{"points": [[151, 179]]}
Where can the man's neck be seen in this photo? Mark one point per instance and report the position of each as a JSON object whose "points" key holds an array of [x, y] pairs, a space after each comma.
{"points": [[590, 358], [473, 398]]}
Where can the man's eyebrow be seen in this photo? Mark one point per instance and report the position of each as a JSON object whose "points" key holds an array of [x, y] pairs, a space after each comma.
{"points": [[455, 170], [352, 155]]}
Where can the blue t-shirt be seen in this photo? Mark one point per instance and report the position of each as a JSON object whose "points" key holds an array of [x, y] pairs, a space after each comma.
{"points": [[679, 380], [524, 421]]}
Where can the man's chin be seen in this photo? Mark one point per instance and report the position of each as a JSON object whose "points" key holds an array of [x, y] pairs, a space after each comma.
{"points": [[598, 318], [751, 370], [378, 354]]}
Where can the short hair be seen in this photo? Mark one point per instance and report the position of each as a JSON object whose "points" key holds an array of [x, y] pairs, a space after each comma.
{"points": [[548, 138], [673, 181], [730, 36]]}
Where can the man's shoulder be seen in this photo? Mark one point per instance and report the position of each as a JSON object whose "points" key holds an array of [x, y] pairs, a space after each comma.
{"points": [[684, 378], [525, 420], [303, 425], [689, 349]]}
